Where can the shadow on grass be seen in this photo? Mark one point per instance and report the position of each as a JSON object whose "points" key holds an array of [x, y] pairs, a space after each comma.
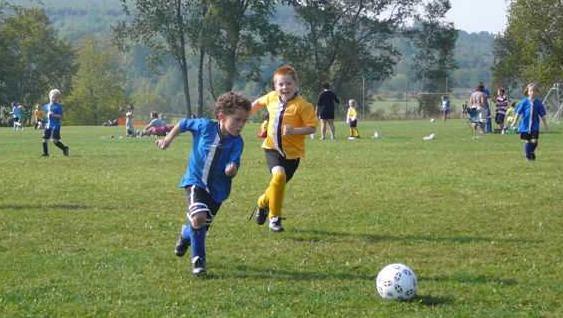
{"points": [[466, 278], [243, 271], [301, 235], [431, 301], [61, 206]]}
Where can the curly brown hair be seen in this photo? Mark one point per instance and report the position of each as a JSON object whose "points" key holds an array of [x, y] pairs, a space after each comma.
{"points": [[229, 102]]}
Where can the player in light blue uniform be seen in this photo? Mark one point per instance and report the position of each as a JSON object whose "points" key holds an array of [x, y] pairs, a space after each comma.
{"points": [[213, 162], [531, 110], [54, 111]]}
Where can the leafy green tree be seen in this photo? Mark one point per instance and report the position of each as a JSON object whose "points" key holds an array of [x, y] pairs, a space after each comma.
{"points": [[33, 59], [98, 91], [434, 59], [345, 41], [531, 48], [161, 26], [242, 34]]}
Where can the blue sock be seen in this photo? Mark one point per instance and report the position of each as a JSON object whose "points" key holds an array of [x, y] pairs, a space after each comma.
{"points": [[198, 242], [186, 232], [528, 150]]}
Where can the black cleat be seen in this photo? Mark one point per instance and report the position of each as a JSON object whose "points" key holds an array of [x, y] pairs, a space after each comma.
{"points": [[66, 151], [261, 215], [182, 246]]}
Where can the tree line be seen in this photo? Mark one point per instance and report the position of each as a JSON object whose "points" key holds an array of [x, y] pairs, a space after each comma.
{"points": [[531, 47], [221, 45]]}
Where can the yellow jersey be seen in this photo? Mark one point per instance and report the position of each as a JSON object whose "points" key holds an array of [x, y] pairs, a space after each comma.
{"points": [[297, 112], [352, 114]]}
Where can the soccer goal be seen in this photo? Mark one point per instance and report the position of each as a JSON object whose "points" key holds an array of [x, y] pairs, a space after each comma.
{"points": [[553, 102]]}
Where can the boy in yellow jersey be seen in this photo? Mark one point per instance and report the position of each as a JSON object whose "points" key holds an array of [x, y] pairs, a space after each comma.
{"points": [[291, 118], [352, 119]]}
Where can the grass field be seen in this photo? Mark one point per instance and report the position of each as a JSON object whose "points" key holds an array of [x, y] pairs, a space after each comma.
{"points": [[93, 234]]}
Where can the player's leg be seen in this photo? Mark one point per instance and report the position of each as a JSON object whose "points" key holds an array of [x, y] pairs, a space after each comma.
{"points": [[323, 129], [57, 141], [332, 129], [46, 137], [201, 210]]}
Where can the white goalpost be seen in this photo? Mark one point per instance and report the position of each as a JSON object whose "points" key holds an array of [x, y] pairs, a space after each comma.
{"points": [[553, 102]]}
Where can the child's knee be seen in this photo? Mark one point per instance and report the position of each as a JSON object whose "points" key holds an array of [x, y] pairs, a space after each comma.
{"points": [[198, 220], [199, 215], [278, 174]]}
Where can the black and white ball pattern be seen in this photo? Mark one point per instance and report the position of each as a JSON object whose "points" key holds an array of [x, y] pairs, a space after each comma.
{"points": [[396, 281]]}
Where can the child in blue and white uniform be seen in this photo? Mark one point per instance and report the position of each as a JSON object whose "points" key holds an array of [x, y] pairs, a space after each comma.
{"points": [[54, 111], [445, 107], [213, 162], [531, 110]]}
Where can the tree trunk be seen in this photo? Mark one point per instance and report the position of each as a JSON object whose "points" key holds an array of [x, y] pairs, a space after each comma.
{"points": [[200, 83], [182, 58]]}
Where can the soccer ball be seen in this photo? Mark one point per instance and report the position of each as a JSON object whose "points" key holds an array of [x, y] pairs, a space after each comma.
{"points": [[397, 282]]}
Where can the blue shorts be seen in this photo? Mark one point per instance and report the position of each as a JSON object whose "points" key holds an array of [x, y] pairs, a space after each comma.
{"points": [[52, 132], [475, 115]]}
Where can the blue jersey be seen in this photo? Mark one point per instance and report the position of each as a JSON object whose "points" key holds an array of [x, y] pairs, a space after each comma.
{"points": [[211, 153], [531, 112], [54, 108]]}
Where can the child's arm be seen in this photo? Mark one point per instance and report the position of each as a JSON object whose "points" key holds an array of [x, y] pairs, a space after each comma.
{"points": [[166, 141], [544, 122], [256, 106], [234, 159], [288, 130]]}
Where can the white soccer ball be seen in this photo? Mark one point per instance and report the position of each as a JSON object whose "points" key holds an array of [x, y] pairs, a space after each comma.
{"points": [[432, 120], [397, 282]]}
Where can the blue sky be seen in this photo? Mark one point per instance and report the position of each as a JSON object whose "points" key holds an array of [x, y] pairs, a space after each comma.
{"points": [[478, 15]]}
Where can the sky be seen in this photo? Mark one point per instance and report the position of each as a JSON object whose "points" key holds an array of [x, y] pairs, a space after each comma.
{"points": [[478, 15]]}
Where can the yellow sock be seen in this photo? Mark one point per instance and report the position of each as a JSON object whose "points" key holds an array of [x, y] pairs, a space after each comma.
{"points": [[275, 193], [351, 132], [263, 200]]}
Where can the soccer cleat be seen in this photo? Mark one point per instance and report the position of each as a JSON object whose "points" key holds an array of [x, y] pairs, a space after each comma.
{"points": [[275, 224], [182, 246], [66, 151], [261, 215], [45, 155], [198, 266]]}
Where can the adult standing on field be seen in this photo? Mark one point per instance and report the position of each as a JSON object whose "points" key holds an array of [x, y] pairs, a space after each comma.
{"points": [[476, 109], [325, 110]]}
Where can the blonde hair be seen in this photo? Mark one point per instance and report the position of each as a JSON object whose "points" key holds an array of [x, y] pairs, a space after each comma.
{"points": [[53, 94], [533, 86], [352, 102]]}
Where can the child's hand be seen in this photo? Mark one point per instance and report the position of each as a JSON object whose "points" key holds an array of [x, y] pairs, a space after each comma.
{"points": [[231, 169], [287, 130], [161, 143]]}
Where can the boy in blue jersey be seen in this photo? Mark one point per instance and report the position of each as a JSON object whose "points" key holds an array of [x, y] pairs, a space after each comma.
{"points": [[54, 111], [531, 110], [213, 162]]}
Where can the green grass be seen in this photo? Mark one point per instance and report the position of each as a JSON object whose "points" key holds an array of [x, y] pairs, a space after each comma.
{"points": [[93, 234]]}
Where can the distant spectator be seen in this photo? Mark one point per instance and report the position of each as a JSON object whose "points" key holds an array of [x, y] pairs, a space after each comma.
{"points": [[129, 129], [325, 110], [38, 115], [500, 111], [445, 107], [156, 127]]}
